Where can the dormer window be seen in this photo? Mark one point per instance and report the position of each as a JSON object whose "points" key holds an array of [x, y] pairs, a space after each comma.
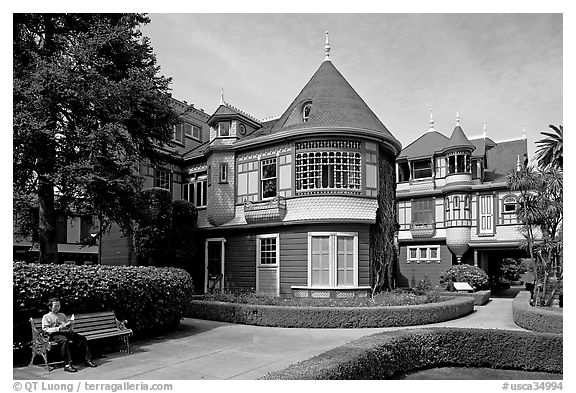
{"points": [[306, 112], [224, 129]]}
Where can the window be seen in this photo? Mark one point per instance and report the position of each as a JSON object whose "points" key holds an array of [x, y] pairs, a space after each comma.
{"points": [[332, 259], [196, 190], [178, 135], [423, 211], [224, 173], [403, 172], [456, 201], [191, 131], [459, 163], [328, 171], [422, 169], [509, 205], [162, 179], [423, 254], [306, 112], [224, 129], [268, 178], [268, 250], [466, 202]]}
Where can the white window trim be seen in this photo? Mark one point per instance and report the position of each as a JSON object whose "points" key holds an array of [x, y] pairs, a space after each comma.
{"points": [[333, 258], [509, 203], [428, 259], [276, 265], [262, 160]]}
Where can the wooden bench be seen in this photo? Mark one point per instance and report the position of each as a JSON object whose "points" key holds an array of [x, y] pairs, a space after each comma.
{"points": [[93, 326]]}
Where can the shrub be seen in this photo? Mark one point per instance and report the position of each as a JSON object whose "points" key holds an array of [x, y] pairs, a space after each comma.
{"points": [[473, 275], [153, 225], [424, 286], [183, 234], [331, 317], [538, 319], [150, 298], [385, 355]]}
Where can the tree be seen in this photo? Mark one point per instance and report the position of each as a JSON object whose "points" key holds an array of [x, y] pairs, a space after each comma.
{"points": [[88, 105], [540, 210], [550, 152], [383, 256]]}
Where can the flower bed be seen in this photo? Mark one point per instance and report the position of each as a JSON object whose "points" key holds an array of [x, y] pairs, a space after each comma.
{"points": [[480, 297], [388, 354], [538, 319], [331, 317]]}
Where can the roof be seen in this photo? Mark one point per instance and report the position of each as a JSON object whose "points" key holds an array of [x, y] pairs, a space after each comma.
{"points": [[502, 158], [334, 102], [458, 140], [425, 146], [225, 110]]}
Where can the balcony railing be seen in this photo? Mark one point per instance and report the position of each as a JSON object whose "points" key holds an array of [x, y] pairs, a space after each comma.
{"points": [[420, 230], [265, 211]]}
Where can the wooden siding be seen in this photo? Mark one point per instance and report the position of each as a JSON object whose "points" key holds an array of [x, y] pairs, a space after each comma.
{"points": [[409, 274], [240, 255]]}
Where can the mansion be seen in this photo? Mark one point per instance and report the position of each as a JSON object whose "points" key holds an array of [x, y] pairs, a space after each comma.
{"points": [[286, 206]]}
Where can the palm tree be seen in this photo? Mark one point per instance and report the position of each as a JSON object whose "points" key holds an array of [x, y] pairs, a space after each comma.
{"points": [[550, 151]]}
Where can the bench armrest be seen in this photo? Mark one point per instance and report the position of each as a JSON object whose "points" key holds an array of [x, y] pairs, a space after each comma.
{"points": [[39, 336], [121, 325]]}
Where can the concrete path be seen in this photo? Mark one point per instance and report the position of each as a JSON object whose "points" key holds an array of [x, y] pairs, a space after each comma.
{"points": [[202, 349]]}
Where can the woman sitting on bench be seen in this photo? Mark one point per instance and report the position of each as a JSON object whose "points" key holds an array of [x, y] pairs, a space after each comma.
{"points": [[61, 331]]}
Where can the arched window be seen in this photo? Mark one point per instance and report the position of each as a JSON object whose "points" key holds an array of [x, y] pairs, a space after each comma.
{"points": [[509, 204], [306, 112]]}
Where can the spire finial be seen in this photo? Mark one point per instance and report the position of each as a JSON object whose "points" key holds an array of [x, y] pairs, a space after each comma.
{"points": [[484, 133], [431, 121], [457, 118], [327, 49], [524, 132], [222, 97]]}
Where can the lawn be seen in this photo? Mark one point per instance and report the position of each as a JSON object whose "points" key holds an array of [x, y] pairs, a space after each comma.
{"points": [[463, 373]]}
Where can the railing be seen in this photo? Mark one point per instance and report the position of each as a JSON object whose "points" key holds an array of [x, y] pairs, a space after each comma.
{"points": [[265, 211], [423, 230]]}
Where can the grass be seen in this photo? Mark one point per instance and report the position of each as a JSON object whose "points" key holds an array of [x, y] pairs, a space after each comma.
{"points": [[464, 373], [394, 298]]}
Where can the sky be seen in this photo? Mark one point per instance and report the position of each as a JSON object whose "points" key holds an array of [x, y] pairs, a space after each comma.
{"points": [[502, 69]]}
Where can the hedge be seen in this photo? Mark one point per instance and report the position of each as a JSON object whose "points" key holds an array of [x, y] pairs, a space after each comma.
{"points": [[538, 319], [480, 297], [331, 317], [150, 298], [473, 275], [389, 354]]}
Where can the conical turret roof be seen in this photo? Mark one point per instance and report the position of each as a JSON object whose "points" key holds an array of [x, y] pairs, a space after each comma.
{"points": [[458, 140], [334, 103]]}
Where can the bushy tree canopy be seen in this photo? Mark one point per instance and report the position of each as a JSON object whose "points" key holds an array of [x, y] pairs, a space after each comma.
{"points": [[88, 105]]}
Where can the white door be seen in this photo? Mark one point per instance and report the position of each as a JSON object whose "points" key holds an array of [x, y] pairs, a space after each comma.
{"points": [[486, 214]]}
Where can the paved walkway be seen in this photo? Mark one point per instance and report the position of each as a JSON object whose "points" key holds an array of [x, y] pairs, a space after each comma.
{"points": [[202, 349]]}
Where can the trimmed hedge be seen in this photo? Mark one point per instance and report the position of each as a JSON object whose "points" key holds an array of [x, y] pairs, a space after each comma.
{"points": [[538, 319], [150, 298], [388, 354], [331, 317], [480, 297]]}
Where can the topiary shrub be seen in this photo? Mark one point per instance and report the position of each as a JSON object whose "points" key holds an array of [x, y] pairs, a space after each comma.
{"points": [[538, 319], [151, 299], [476, 277]]}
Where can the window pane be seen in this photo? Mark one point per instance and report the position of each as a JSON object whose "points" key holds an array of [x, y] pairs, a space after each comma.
{"points": [[187, 129]]}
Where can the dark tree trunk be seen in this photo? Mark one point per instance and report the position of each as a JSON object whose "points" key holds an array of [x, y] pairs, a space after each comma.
{"points": [[383, 257], [47, 221]]}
